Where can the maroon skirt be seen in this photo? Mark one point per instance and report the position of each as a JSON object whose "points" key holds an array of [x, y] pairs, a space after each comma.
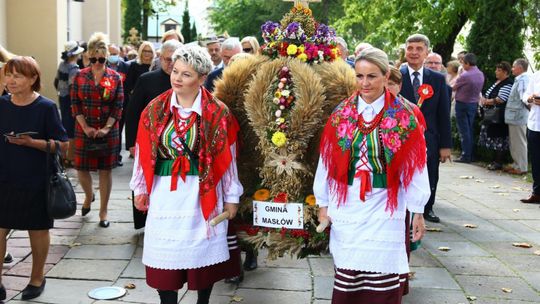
{"points": [[199, 278]]}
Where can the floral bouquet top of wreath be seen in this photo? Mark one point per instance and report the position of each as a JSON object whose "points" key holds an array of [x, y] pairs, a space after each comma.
{"points": [[299, 36]]}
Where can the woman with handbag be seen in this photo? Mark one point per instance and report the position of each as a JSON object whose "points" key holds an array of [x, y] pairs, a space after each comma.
{"points": [[494, 132], [28, 121], [96, 97], [185, 175]]}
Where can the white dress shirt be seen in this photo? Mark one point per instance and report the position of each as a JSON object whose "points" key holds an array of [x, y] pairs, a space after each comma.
{"points": [[420, 72], [533, 122]]}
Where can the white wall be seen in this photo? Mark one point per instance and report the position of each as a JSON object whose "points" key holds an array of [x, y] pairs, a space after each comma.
{"points": [[3, 31], [75, 23]]}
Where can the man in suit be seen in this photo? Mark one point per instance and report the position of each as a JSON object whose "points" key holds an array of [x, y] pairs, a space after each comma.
{"points": [[229, 48], [436, 110]]}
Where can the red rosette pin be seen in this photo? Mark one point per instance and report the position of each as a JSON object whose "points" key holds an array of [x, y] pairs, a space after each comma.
{"points": [[425, 91], [106, 84]]}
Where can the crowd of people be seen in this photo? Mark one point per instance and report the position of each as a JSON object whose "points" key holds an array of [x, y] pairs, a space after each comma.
{"points": [[184, 142]]}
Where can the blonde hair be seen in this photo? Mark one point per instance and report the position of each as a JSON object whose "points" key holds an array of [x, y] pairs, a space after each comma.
{"points": [[253, 43], [453, 66], [375, 56], [98, 42], [170, 33], [141, 48]]}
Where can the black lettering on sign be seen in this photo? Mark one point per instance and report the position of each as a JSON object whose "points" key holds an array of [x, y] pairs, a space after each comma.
{"points": [[280, 209]]}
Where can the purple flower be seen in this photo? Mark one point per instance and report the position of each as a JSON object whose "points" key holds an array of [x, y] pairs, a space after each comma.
{"points": [[270, 31], [294, 31], [324, 34]]}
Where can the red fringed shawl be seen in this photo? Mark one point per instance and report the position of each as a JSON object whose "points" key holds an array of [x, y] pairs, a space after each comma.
{"points": [[218, 131], [402, 130]]}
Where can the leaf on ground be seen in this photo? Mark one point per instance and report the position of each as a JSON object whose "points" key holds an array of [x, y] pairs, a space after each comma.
{"points": [[495, 186], [433, 229], [129, 286], [412, 275], [537, 252], [443, 248], [516, 210], [472, 226], [74, 245], [480, 181], [237, 299], [507, 290], [503, 194], [522, 245], [519, 189], [471, 298], [466, 177]]}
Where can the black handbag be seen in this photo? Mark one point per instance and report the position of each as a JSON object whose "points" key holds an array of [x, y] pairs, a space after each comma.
{"points": [[493, 115], [61, 199]]}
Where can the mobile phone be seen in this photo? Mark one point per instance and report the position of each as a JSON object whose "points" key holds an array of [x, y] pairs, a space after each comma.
{"points": [[537, 97], [17, 135]]}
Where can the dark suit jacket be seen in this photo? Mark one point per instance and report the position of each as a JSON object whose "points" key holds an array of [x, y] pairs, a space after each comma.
{"points": [[148, 87], [436, 109], [212, 77]]}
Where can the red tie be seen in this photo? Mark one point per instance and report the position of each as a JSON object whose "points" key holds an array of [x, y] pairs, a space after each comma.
{"points": [[181, 166], [363, 174]]}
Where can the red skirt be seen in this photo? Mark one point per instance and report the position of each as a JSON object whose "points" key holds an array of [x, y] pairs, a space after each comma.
{"points": [[199, 278]]}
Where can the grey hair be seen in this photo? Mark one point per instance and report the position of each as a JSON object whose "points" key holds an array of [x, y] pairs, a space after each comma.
{"points": [[375, 56], [231, 44], [523, 63], [195, 56], [418, 38], [170, 45], [342, 42]]}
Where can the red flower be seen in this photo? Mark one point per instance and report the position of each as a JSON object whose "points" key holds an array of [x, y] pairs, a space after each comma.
{"points": [[425, 91], [280, 198]]}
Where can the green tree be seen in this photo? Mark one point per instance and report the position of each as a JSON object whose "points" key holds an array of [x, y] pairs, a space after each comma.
{"points": [[194, 34], [132, 16], [186, 26], [496, 35], [150, 8], [387, 23]]}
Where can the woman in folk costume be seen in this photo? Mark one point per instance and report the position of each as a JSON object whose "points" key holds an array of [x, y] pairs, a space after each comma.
{"points": [[371, 173], [184, 175]]}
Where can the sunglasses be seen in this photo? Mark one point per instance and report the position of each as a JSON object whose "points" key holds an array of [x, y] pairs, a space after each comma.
{"points": [[100, 59], [247, 50]]}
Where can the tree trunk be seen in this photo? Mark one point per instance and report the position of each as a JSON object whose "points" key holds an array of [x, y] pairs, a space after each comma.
{"points": [[446, 48]]}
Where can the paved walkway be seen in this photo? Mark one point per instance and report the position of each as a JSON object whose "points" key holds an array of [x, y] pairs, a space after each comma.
{"points": [[481, 261]]}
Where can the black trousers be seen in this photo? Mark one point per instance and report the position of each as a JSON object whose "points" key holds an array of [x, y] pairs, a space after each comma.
{"points": [[433, 173], [533, 143]]}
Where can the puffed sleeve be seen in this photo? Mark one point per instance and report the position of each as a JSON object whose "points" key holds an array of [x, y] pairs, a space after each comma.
{"points": [[320, 185], [137, 183], [417, 193], [231, 186]]}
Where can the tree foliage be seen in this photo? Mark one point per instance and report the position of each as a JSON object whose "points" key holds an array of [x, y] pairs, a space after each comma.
{"points": [[496, 35], [186, 26], [132, 16]]}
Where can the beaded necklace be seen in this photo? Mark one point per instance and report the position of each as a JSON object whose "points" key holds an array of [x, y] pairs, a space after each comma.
{"points": [[367, 127]]}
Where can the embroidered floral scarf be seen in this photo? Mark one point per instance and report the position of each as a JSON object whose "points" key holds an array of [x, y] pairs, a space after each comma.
{"points": [[402, 131], [218, 131]]}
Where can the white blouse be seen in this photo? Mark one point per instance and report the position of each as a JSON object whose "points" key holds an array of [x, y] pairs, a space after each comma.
{"points": [[364, 236], [176, 234]]}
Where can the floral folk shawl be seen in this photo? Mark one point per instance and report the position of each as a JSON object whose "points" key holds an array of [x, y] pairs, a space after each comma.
{"points": [[218, 131], [402, 131]]}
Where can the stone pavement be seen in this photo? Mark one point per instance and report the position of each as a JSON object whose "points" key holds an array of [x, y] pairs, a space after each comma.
{"points": [[480, 263]]}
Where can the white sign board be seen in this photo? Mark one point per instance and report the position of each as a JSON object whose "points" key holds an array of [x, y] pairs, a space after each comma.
{"points": [[278, 215]]}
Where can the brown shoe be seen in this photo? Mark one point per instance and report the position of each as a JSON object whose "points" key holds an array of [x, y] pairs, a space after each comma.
{"points": [[515, 171], [533, 199]]}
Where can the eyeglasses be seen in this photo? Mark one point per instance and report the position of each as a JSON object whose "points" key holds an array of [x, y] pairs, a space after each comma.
{"points": [[100, 59], [247, 50], [433, 62]]}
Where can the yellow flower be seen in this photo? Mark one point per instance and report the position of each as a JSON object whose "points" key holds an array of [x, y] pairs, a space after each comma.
{"points": [[261, 195], [292, 49], [310, 200], [335, 51], [302, 57], [301, 48], [279, 139], [277, 94]]}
